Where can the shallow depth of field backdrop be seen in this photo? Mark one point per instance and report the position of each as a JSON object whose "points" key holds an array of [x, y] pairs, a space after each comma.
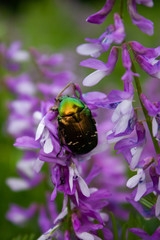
{"points": [[58, 26]]}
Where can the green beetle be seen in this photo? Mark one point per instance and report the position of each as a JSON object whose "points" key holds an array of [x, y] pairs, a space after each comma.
{"points": [[76, 126]]}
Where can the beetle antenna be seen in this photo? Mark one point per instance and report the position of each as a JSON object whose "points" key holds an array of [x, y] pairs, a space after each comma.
{"points": [[68, 85]]}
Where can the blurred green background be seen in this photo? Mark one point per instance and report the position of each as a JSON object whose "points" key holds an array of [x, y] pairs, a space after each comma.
{"points": [[58, 25]]}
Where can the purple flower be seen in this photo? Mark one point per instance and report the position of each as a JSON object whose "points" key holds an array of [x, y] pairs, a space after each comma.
{"points": [[146, 58], [28, 177], [148, 3], [138, 179], [148, 53], [153, 111], [89, 210], [95, 99], [142, 23], [21, 85], [128, 76], [155, 176], [131, 147], [123, 116], [13, 56], [145, 236], [69, 181], [19, 215], [114, 33], [21, 116], [52, 232], [47, 214], [102, 68], [100, 16], [47, 60], [114, 169]]}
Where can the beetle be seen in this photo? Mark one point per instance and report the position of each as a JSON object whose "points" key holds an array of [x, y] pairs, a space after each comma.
{"points": [[76, 125]]}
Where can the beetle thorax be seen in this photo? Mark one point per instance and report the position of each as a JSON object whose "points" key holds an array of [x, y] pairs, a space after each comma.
{"points": [[70, 106]]}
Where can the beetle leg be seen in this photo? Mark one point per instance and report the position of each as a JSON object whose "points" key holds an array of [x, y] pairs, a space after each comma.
{"points": [[55, 108], [59, 151]]}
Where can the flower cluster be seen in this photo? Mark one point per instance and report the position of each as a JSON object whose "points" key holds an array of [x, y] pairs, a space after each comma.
{"points": [[33, 122], [137, 140], [45, 117]]}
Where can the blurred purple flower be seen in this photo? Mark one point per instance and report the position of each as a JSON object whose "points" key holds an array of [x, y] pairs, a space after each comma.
{"points": [[148, 3], [21, 85], [28, 177], [19, 215], [47, 60], [13, 56]]}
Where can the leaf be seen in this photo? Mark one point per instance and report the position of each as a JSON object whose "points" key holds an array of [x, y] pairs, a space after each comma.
{"points": [[124, 230], [25, 237], [115, 229]]}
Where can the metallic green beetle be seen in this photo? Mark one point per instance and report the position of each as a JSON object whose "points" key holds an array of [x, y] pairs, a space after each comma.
{"points": [[76, 126]]}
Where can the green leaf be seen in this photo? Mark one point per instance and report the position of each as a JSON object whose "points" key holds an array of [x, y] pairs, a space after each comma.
{"points": [[115, 229], [25, 237], [124, 230], [149, 200]]}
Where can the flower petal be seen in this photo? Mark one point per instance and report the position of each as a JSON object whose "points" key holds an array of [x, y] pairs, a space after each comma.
{"points": [[101, 15], [89, 49], [136, 157], [40, 129], [85, 236], [48, 146], [140, 190], [17, 184], [157, 207], [94, 78], [83, 186], [26, 142], [94, 63], [154, 127], [71, 174], [133, 181]]}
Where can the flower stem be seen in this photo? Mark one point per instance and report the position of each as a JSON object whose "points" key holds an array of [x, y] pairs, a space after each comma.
{"points": [[69, 216], [147, 117], [121, 9]]}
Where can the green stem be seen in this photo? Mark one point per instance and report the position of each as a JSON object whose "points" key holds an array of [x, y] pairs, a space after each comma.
{"points": [[147, 117], [121, 9], [100, 234], [114, 225], [69, 222]]}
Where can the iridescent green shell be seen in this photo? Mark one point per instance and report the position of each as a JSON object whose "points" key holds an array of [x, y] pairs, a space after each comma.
{"points": [[70, 106], [76, 126]]}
